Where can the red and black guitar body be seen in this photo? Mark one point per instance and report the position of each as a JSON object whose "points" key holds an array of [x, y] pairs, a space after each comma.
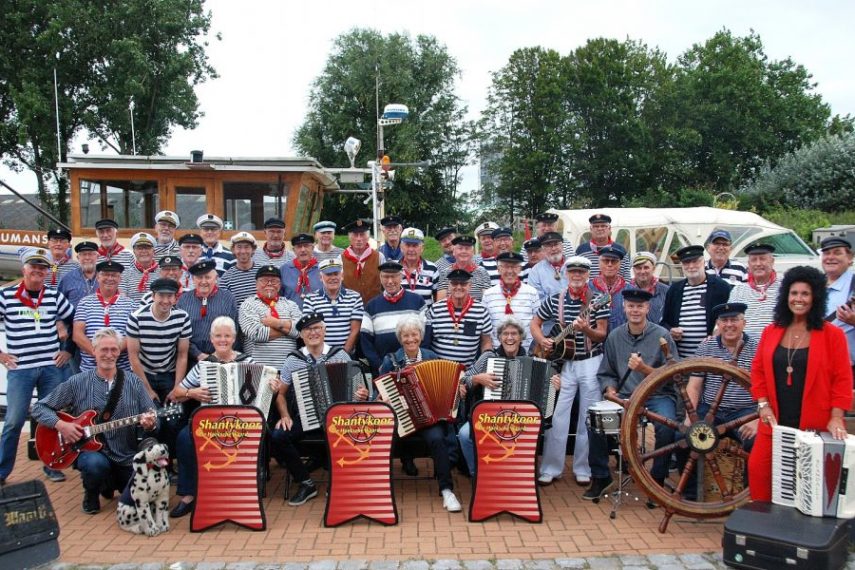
{"points": [[55, 451]]}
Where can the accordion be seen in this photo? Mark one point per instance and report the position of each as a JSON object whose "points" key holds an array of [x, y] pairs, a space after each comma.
{"points": [[316, 388], [523, 378], [423, 394], [239, 384], [811, 471]]}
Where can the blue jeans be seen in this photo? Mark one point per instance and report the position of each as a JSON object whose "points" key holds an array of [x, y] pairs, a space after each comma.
{"points": [[464, 436], [19, 394], [598, 454], [96, 471], [186, 455]]}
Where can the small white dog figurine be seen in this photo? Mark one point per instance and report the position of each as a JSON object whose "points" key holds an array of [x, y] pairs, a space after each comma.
{"points": [[144, 504]]}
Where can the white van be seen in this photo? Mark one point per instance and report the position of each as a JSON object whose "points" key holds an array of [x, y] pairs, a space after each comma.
{"points": [[662, 231]]}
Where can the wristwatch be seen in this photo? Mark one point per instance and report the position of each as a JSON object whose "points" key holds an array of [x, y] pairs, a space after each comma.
{"points": [[761, 405]]}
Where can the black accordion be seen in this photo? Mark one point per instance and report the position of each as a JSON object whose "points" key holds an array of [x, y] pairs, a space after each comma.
{"points": [[523, 378], [316, 388]]}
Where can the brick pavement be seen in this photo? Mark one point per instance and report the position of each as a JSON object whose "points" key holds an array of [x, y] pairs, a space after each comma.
{"points": [[572, 529]]}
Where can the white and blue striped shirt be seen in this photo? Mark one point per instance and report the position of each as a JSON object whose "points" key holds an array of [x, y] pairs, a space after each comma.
{"points": [[221, 256], [158, 339], [524, 305], [240, 282], [31, 334], [338, 315], [460, 343], [421, 281], [92, 313], [257, 341]]}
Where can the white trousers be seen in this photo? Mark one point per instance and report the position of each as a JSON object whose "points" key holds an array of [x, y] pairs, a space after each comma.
{"points": [[578, 376]]}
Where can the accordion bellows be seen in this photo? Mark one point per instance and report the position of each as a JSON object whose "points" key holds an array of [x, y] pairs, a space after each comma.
{"points": [[523, 378], [239, 384]]}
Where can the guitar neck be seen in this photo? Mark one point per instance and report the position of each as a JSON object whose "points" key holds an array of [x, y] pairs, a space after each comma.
{"points": [[95, 429]]}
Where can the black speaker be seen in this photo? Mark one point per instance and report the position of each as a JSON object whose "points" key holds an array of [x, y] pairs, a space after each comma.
{"points": [[29, 530]]}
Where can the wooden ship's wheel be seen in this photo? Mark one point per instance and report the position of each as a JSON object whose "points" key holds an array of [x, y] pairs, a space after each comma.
{"points": [[724, 460]]}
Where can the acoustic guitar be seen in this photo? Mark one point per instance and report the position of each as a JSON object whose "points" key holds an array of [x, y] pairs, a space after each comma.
{"points": [[58, 453], [564, 339]]}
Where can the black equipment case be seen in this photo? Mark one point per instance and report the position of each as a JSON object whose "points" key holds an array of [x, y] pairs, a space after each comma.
{"points": [[29, 530], [765, 535]]}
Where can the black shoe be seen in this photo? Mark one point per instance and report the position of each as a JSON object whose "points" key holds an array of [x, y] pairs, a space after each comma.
{"points": [[53, 474], [409, 467], [307, 491], [182, 509], [91, 504], [599, 487]]}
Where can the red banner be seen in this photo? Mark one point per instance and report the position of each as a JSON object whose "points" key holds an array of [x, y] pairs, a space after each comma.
{"points": [[505, 435], [360, 446], [227, 440]]}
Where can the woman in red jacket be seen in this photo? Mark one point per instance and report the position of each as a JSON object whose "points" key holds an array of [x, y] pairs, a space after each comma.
{"points": [[801, 376]]}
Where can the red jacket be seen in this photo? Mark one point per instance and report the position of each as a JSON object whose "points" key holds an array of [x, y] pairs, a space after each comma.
{"points": [[829, 377]]}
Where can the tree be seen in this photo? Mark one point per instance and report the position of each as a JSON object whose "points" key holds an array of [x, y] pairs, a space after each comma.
{"points": [[744, 108], [419, 73], [105, 55]]}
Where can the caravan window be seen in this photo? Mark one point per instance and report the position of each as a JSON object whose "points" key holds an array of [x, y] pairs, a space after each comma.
{"points": [[651, 239], [784, 244]]}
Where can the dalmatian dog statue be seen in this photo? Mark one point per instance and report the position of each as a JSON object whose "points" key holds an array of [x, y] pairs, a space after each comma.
{"points": [[144, 504]]}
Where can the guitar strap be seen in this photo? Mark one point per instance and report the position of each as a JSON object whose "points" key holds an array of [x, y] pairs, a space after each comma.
{"points": [[113, 397]]}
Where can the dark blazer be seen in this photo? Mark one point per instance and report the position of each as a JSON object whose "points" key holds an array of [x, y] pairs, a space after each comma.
{"points": [[718, 292], [395, 360]]}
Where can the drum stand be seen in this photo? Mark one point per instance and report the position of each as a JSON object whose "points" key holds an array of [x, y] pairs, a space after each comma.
{"points": [[623, 479]]}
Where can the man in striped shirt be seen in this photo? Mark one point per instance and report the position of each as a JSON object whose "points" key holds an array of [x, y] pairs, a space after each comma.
{"points": [[464, 258], [445, 237], [158, 341], [341, 308], [211, 228], [418, 272], [459, 327], [688, 303], [644, 278], [137, 277], [324, 235], [31, 314], [190, 248], [81, 282], [109, 469], [578, 373], [487, 250], [107, 307], [760, 291], [59, 242], [240, 278], [170, 268], [273, 252], [165, 224], [204, 303], [601, 236], [267, 320], [391, 226], [510, 296], [300, 276], [110, 249], [718, 245], [502, 240], [547, 223], [377, 335]]}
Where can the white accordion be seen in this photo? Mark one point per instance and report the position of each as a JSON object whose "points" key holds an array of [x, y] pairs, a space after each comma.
{"points": [[811, 471], [238, 384]]}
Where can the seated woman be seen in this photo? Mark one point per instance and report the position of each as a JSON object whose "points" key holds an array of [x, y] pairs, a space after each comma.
{"points": [[510, 334], [223, 337], [410, 332], [800, 377]]}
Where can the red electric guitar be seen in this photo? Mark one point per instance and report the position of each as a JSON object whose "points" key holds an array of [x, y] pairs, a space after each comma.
{"points": [[57, 453]]}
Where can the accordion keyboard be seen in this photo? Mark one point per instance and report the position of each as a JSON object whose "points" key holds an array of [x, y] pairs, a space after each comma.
{"points": [[784, 465], [495, 366], [309, 415], [388, 390]]}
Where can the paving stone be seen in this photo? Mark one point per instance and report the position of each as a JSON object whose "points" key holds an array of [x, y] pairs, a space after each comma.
{"points": [[676, 566], [658, 560], [604, 563], [539, 565], [268, 566], [124, 566], [634, 560], [478, 565], [295, 566], [571, 562], [242, 566], [509, 564], [385, 565], [59, 566], [323, 565], [180, 566], [445, 564], [645, 567], [352, 564], [696, 562], [151, 566], [415, 565], [210, 566]]}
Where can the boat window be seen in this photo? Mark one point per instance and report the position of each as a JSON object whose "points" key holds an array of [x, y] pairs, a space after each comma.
{"points": [[191, 201], [786, 243], [308, 209], [247, 204], [651, 239], [132, 203]]}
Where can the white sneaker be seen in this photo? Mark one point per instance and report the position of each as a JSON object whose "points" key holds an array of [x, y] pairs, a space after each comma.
{"points": [[545, 479], [450, 502]]}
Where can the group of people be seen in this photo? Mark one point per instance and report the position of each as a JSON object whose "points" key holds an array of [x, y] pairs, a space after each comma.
{"points": [[124, 329]]}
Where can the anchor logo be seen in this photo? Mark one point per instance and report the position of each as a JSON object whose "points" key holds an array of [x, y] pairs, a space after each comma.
{"points": [[503, 430]]}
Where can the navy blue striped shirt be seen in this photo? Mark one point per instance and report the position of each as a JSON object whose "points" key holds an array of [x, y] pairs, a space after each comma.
{"points": [[91, 312], [339, 315], [31, 333]]}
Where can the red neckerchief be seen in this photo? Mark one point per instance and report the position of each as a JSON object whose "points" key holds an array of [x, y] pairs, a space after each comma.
{"points": [[394, 298], [596, 248], [303, 279], [762, 288], [580, 294], [54, 269], [413, 277], [466, 306], [273, 254], [109, 253], [601, 285], [107, 304], [143, 284], [510, 294], [651, 289], [204, 311], [24, 297], [469, 268], [557, 267], [185, 273], [350, 255], [272, 304]]}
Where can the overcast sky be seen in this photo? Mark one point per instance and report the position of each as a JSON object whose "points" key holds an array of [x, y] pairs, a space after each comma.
{"points": [[271, 50]]}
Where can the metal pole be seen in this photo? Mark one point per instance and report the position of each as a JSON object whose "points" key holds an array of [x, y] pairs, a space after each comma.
{"points": [[56, 103], [133, 133], [375, 180]]}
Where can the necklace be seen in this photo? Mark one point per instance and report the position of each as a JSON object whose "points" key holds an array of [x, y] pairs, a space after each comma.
{"points": [[791, 352]]}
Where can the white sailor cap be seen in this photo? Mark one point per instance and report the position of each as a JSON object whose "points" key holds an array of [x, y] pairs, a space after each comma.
{"points": [[168, 216], [208, 220], [142, 238]]}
